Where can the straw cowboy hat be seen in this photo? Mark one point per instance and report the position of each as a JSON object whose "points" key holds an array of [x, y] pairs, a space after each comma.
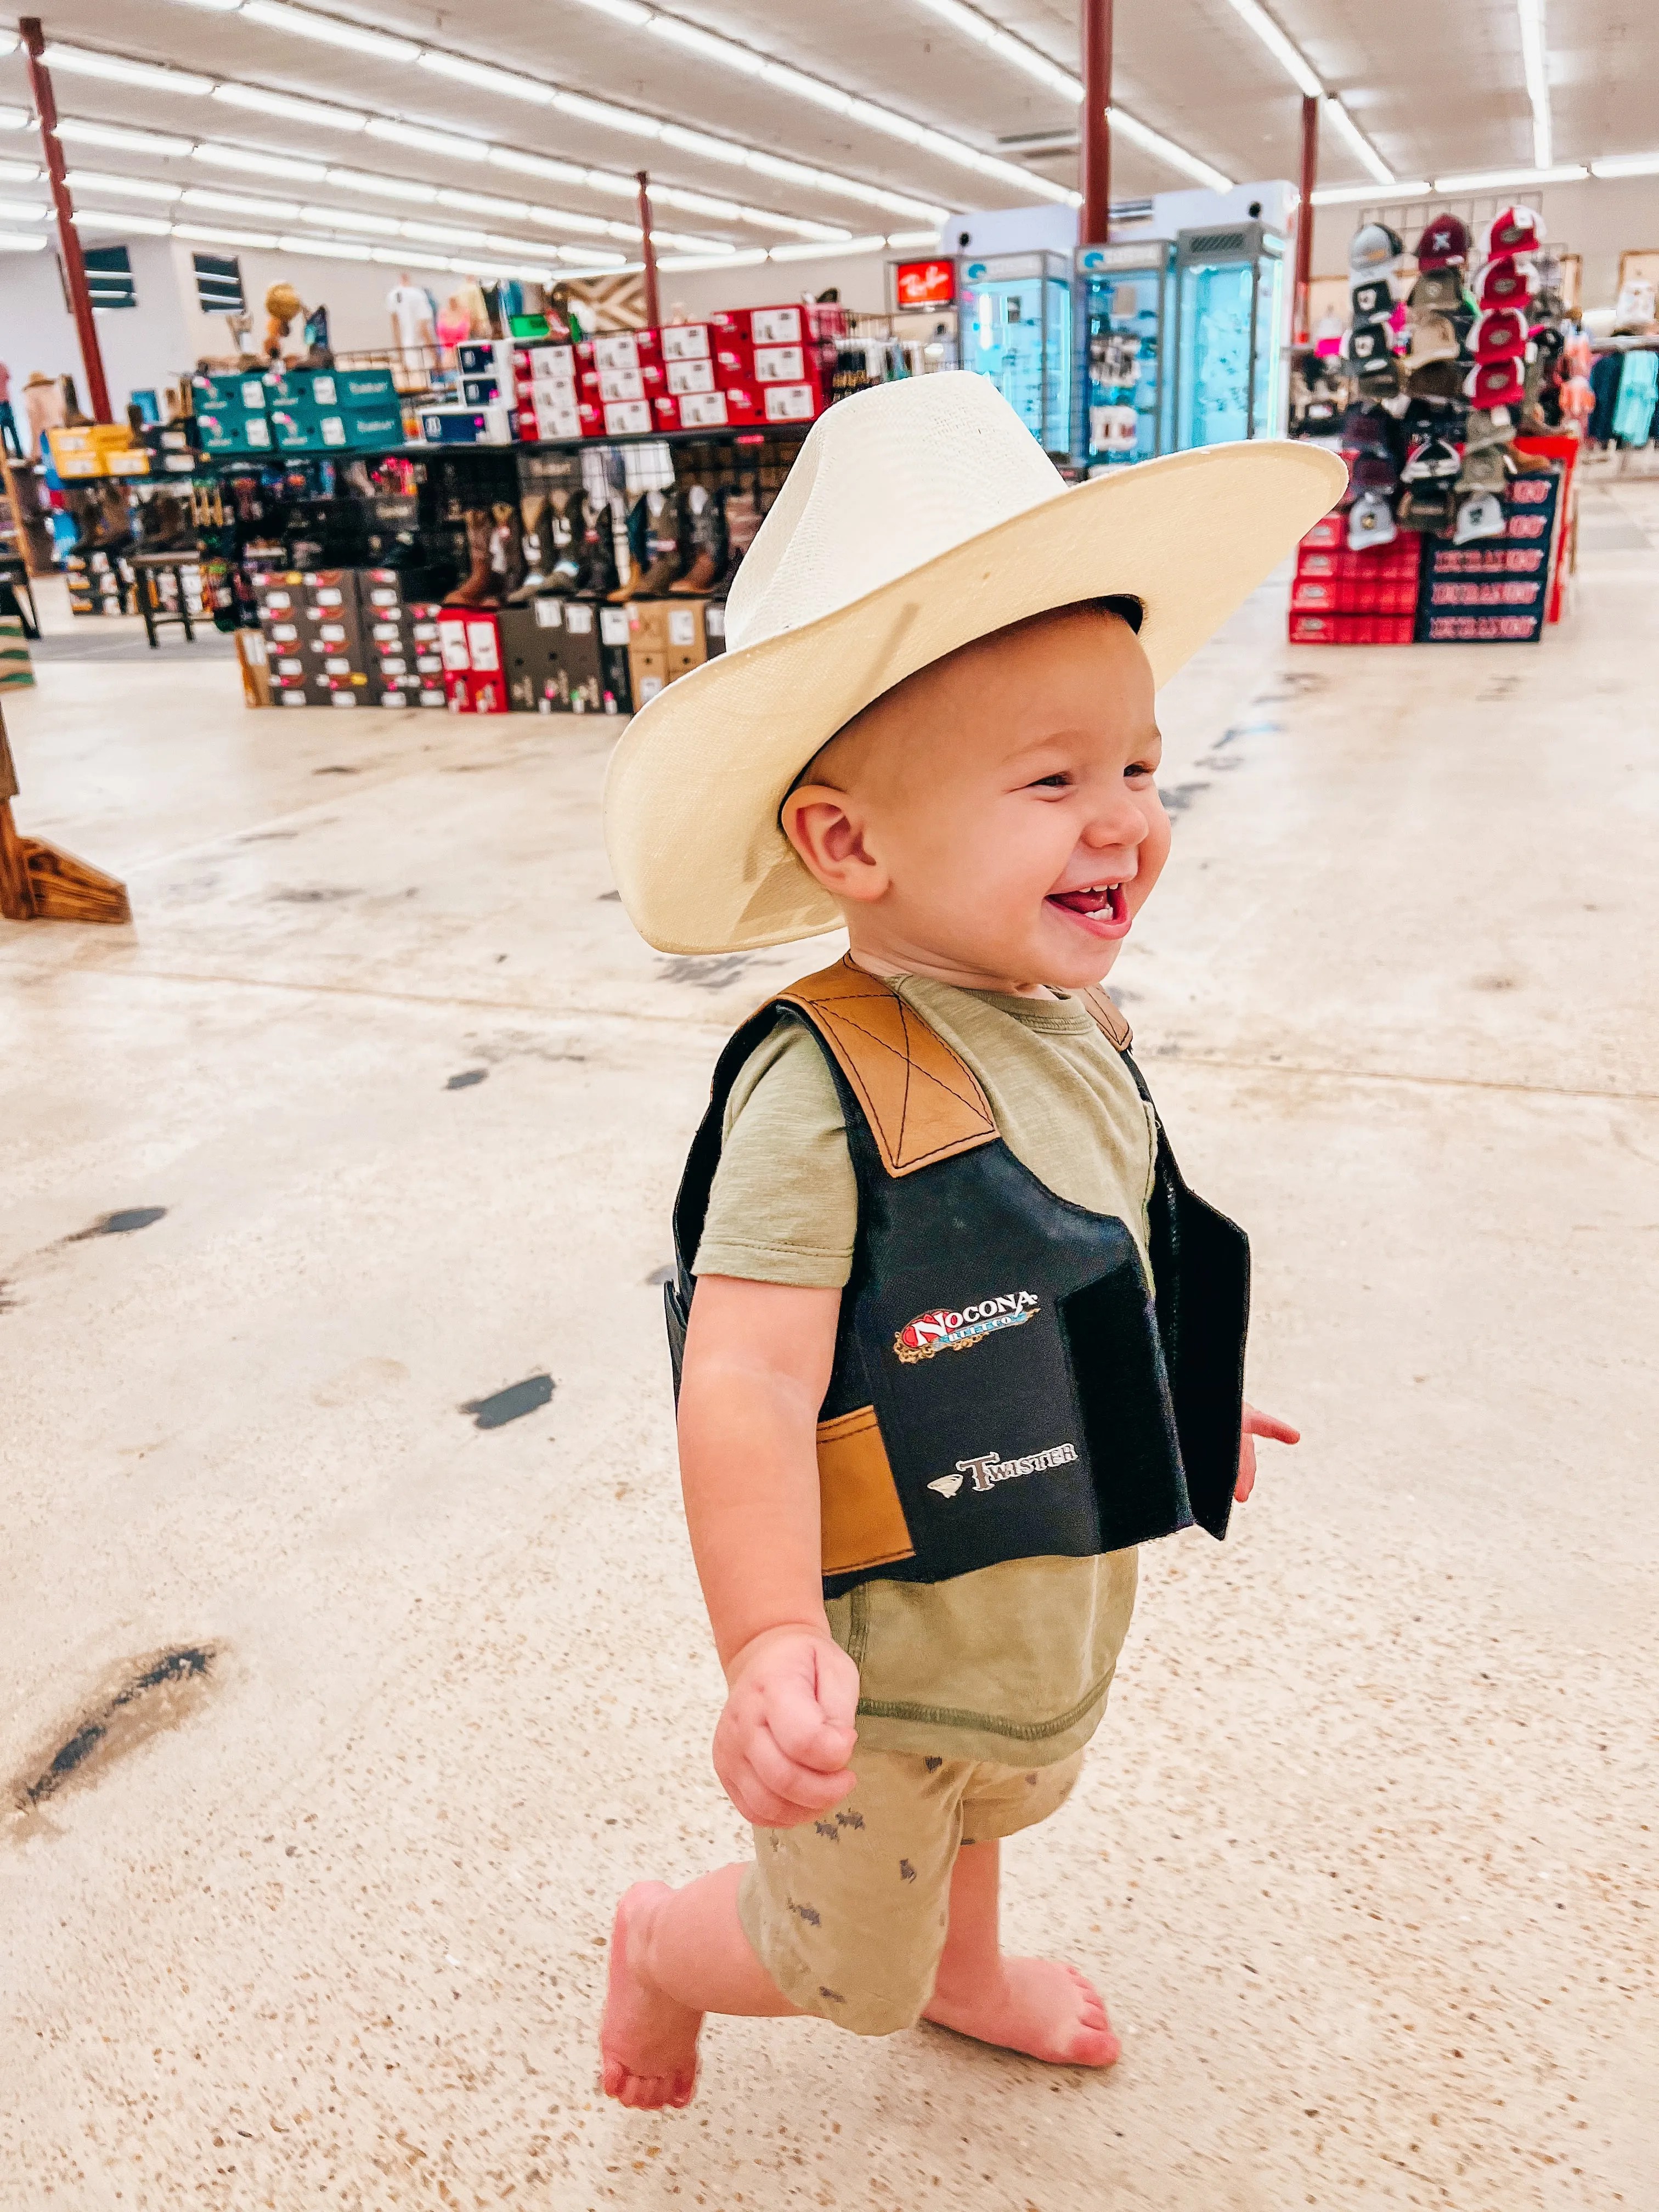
{"points": [[920, 516]]}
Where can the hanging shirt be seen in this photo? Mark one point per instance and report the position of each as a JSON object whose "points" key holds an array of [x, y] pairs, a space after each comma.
{"points": [[411, 315], [1638, 388]]}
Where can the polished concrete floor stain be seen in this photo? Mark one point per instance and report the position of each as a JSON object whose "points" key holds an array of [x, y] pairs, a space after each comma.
{"points": [[1364, 1855]]}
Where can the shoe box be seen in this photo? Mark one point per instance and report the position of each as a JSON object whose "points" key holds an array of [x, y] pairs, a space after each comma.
{"points": [[403, 651], [547, 391], [99, 584], [280, 600], [566, 656], [667, 638], [786, 356], [735, 407], [469, 643], [452, 425]]}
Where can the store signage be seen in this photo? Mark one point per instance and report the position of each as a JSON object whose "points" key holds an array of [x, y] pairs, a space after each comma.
{"points": [[924, 283]]}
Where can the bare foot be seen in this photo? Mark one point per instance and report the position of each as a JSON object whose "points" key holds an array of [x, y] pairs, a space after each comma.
{"points": [[1034, 2005], [647, 2043]]}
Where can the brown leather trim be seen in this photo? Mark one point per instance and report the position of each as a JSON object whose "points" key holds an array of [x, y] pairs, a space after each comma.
{"points": [[923, 1101], [1107, 1018], [860, 1513]]}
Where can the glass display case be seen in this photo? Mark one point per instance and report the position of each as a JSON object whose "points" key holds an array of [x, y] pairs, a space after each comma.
{"points": [[1229, 284], [1128, 390], [1016, 328]]}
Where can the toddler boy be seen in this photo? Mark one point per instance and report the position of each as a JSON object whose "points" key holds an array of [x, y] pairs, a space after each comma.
{"points": [[961, 1337]]}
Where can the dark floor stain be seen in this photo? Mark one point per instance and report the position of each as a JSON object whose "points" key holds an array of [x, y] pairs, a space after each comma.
{"points": [[337, 771], [267, 836], [1180, 796], [604, 895], [511, 1404], [324, 897], [120, 1224], [151, 1695], [7, 1303], [467, 1078], [705, 973]]}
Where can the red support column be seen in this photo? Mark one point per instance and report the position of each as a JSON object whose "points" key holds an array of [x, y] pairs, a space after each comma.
{"points": [[653, 304], [1094, 217], [1304, 216], [75, 266]]}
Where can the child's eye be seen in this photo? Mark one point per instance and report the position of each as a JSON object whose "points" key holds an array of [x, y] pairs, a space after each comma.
{"points": [[1139, 769], [1058, 781]]}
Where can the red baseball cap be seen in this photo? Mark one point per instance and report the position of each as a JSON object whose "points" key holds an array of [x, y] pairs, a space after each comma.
{"points": [[1500, 334], [1495, 383], [1444, 243], [1514, 230], [1504, 282]]}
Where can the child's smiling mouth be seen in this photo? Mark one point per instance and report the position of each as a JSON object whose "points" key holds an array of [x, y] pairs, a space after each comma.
{"points": [[1101, 909]]}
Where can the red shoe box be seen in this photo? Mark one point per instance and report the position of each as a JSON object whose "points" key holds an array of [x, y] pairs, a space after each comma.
{"points": [[288, 691], [793, 402], [734, 361], [680, 377], [620, 349], [1333, 578], [476, 693], [608, 385], [685, 342], [1351, 630], [621, 418], [709, 410], [801, 323]]}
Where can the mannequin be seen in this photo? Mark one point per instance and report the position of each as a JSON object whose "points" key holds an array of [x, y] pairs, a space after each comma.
{"points": [[410, 310]]}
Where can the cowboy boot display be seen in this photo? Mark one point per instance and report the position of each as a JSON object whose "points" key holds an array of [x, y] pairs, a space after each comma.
{"points": [[663, 544], [532, 509], [599, 577], [707, 543], [569, 532], [477, 590], [505, 548]]}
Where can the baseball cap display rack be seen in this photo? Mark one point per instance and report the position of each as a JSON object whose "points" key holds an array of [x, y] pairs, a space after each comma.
{"points": [[1455, 403]]}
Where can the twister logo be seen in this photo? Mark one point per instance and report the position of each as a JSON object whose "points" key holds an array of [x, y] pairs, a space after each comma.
{"points": [[947, 1329]]}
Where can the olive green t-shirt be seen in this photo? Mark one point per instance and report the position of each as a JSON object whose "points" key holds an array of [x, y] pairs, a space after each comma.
{"points": [[1012, 1662]]}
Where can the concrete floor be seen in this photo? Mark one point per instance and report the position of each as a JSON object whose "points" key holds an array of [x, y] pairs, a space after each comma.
{"points": [[1363, 1856]]}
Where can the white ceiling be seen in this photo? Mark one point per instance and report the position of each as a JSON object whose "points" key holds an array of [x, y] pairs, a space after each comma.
{"points": [[1437, 87]]}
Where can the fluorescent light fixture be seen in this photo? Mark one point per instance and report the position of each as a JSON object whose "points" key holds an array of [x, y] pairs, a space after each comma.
{"points": [[677, 242], [251, 164], [883, 119], [618, 187], [348, 219], [19, 173], [137, 188], [1153, 142], [428, 141], [209, 235], [22, 241], [1369, 157], [240, 204], [823, 252], [332, 32], [1278, 46], [1626, 164], [1534, 60], [1035, 64], [1399, 191], [82, 61], [328, 249], [81, 133], [904, 240], [599, 256], [14, 119], [385, 188], [216, 7], [687, 262], [1486, 180], [807, 87], [601, 111], [130, 225], [709, 44], [620, 11], [23, 210], [538, 165], [699, 142], [316, 112], [485, 204], [507, 83], [696, 203], [443, 234]]}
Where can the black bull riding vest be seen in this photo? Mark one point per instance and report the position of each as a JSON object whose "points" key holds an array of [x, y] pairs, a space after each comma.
{"points": [[1004, 1387]]}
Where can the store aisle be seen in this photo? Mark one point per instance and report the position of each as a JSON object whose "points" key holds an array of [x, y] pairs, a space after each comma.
{"points": [[334, 1191]]}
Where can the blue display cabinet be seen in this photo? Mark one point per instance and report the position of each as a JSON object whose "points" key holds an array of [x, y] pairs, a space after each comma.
{"points": [[1124, 302], [1017, 328], [1230, 292]]}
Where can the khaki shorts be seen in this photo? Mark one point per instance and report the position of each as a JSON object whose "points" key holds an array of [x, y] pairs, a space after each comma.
{"points": [[847, 1914]]}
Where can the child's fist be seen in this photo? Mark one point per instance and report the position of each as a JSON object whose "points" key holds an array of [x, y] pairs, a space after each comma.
{"points": [[782, 1743], [1258, 1424]]}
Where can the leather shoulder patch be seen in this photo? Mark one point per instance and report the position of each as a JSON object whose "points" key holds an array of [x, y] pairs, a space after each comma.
{"points": [[1107, 1018], [923, 1101]]}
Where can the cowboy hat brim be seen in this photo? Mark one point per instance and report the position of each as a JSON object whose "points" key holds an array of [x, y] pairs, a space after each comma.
{"points": [[697, 778]]}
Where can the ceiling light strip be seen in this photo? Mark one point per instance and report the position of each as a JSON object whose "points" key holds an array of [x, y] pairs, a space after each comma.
{"points": [[1535, 61], [1301, 73]]}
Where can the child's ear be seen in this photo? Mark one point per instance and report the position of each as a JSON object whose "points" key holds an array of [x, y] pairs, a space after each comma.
{"points": [[825, 827]]}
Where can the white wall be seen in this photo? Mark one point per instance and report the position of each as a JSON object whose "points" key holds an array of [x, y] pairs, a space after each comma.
{"points": [[862, 278]]}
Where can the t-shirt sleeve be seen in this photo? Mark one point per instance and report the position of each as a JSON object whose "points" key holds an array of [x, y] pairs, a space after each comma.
{"points": [[784, 1207]]}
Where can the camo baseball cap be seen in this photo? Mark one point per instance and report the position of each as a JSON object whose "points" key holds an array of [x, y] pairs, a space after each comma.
{"points": [[1483, 469], [1435, 288], [1444, 243], [1436, 379], [1428, 506], [1487, 425]]}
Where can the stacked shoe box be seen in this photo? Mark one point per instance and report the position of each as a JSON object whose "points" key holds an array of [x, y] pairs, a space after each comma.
{"points": [[487, 412], [404, 652], [99, 584], [709, 382], [667, 638], [785, 355], [333, 643], [1343, 597], [475, 680], [617, 379], [545, 387], [1496, 590], [566, 656], [280, 598]]}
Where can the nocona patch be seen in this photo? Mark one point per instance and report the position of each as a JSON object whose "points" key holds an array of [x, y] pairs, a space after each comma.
{"points": [[951, 1329]]}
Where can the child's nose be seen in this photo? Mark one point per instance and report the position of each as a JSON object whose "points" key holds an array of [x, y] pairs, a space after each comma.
{"points": [[1121, 824]]}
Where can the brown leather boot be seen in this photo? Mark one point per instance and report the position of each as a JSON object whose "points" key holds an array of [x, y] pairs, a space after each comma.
{"points": [[479, 588], [531, 508]]}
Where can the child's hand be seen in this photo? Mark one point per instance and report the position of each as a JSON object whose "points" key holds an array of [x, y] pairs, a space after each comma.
{"points": [[1258, 1424], [782, 1743]]}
